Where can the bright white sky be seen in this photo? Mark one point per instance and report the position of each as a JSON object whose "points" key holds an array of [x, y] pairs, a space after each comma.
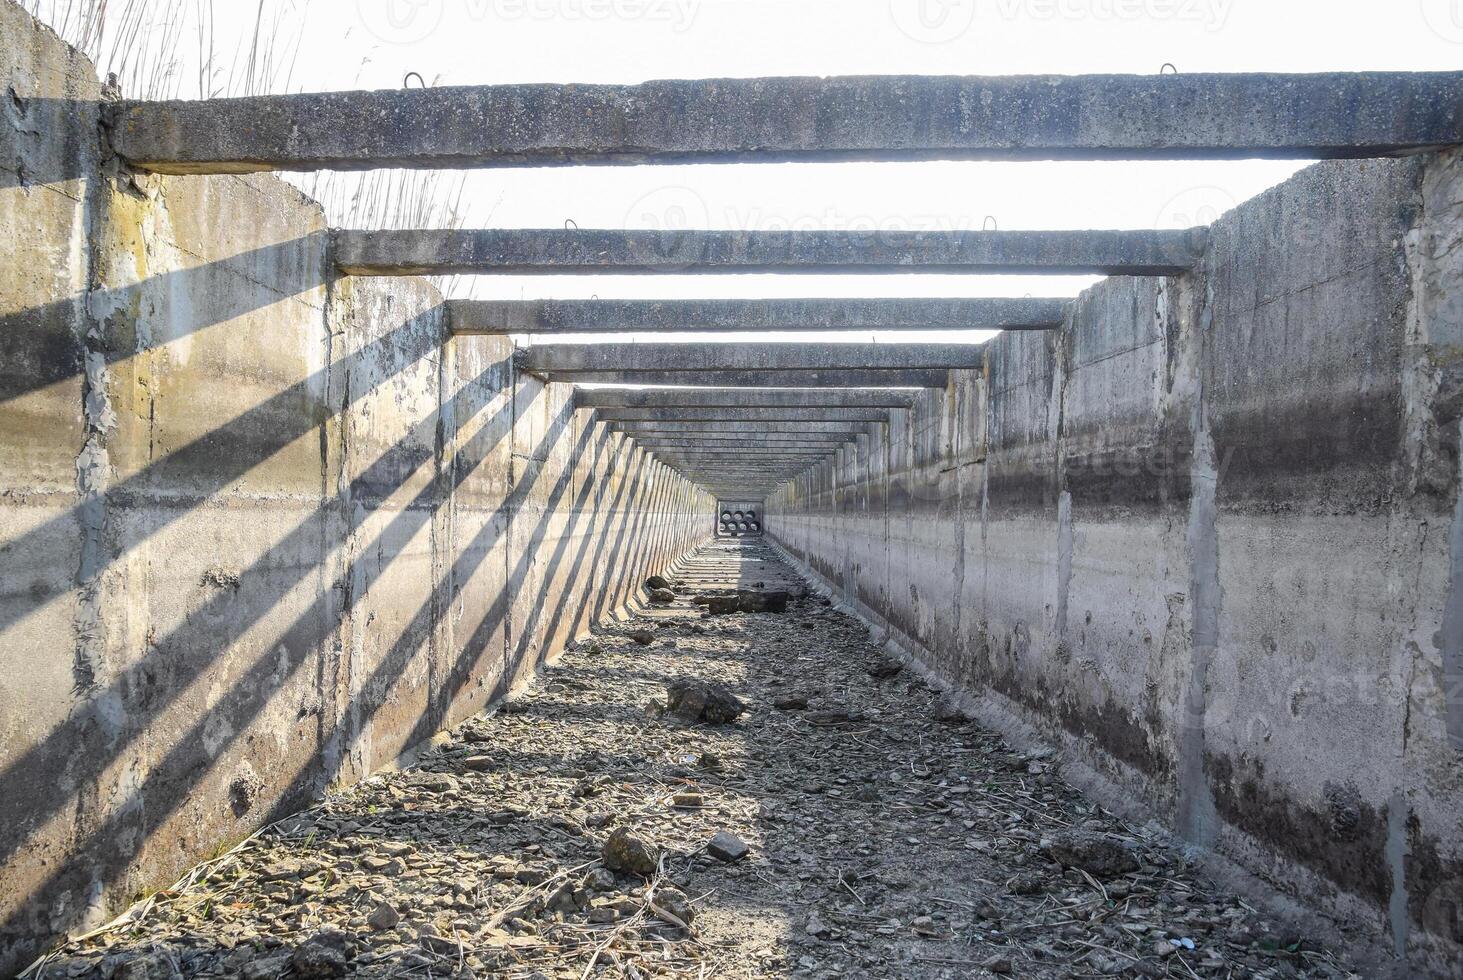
{"points": [[375, 43]]}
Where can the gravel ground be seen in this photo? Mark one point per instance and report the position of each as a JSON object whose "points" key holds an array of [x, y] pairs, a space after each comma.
{"points": [[885, 836]]}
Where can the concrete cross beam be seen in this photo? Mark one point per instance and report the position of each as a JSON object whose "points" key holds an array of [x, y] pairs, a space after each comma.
{"points": [[732, 446], [693, 441], [692, 473], [564, 359], [768, 426], [730, 464], [803, 315], [743, 414], [683, 398], [746, 440], [561, 251], [758, 365], [751, 454], [877, 377], [1027, 117]]}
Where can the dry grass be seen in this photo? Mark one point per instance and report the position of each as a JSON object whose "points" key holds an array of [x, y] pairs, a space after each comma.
{"points": [[168, 49]]}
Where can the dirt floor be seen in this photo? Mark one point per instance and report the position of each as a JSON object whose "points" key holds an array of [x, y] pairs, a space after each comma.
{"points": [[885, 836]]}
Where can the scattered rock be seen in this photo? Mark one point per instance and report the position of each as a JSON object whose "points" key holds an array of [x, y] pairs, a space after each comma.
{"points": [[383, 916], [885, 667], [762, 602], [265, 967], [675, 902], [867, 799], [949, 713], [745, 601], [726, 847], [662, 597], [1098, 855], [325, 954], [642, 637], [722, 605], [657, 582], [696, 700], [627, 853], [432, 782]]}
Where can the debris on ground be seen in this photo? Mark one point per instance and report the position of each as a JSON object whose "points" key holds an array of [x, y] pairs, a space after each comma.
{"points": [[853, 831], [628, 853], [727, 847], [696, 700], [883, 668]]}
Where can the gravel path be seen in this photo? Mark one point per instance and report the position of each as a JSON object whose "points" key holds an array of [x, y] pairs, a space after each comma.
{"points": [[885, 836]]}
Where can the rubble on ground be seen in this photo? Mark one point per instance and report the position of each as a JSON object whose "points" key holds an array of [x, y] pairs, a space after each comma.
{"points": [[848, 825]]}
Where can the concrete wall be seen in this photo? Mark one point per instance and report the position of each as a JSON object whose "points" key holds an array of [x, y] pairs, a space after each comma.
{"points": [[1205, 538], [262, 530]]}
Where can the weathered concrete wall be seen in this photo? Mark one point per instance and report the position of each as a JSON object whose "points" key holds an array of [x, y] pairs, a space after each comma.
{"points": [[1204, 538], [262, 530]]}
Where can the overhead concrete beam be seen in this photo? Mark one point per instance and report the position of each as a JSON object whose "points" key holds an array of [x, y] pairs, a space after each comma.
{"points": [[692, 441], [750, 452], [575, 358], [743, 414], [751, 455], [749, 443], [631, 398], [876, 378], [779, 119], [692, 473], [561, 251], [769, 426], [801, 315]]}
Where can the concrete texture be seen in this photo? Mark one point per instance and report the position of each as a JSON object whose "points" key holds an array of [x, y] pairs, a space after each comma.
{"points": [[262, 530], [776, 119], [805, 315], [265, 529], [1204, 538], [560, 251], [737, 398]]}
